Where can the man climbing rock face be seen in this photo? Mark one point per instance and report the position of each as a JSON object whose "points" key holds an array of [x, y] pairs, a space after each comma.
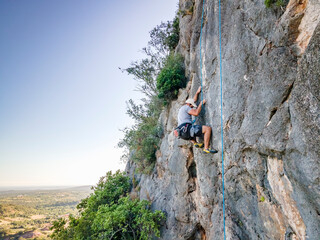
{"points": [[187, 131]]}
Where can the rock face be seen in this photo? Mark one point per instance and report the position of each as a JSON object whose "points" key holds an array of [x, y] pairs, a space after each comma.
{"points": [[271, 122]]}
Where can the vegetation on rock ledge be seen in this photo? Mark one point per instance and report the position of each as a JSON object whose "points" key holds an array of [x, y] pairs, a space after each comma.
{"points": [[171, 78], [160, 75], [277, 3]]}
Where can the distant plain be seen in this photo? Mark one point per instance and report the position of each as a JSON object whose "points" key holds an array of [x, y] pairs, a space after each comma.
{"points": [[28, 212]]}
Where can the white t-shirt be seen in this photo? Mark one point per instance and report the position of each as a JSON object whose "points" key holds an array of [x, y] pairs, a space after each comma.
{"points": [[184, 116]]}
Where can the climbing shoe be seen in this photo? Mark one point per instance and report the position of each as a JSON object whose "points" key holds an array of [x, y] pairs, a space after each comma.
{"points": [[208, 150], [198, 145]]}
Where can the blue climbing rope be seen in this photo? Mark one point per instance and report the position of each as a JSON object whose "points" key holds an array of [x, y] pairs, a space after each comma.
{"points": [[202, 107], [224, 218], [223, 201], [200, 53]]}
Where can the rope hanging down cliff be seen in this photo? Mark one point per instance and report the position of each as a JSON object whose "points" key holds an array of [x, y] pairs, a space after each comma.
{"points": [[202, 109], [220, 73], [200, 52], [186, 128]]}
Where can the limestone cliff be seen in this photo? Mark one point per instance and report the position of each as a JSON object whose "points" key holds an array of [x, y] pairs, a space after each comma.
{"points": [[271, 113]]}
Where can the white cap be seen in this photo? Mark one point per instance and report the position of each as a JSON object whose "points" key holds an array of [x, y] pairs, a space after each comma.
{"points": [[191, 101]]}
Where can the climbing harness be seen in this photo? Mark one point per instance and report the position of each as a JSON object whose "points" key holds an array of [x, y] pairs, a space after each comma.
{"points": [[185, 131]]}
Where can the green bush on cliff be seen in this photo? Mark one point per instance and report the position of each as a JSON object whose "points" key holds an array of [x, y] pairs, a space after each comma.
{"points": [[109, 213], [142, 139], [277, 3], [160, 76], [173, 38], [171, 78]]}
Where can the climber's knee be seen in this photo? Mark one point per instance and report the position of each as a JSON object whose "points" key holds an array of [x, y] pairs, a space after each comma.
{"points": [[206, 129]]}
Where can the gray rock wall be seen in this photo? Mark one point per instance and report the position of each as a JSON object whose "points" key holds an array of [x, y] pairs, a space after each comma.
{"points": [[271, 113]]}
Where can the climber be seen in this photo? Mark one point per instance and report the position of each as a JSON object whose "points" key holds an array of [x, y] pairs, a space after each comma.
{"points": [[187, 131]]}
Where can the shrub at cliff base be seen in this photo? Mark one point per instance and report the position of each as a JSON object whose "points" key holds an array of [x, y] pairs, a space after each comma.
{"points": [[109, 213]]}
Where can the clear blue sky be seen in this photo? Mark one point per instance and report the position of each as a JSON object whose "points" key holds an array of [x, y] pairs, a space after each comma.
{"points": [[62, 96]]}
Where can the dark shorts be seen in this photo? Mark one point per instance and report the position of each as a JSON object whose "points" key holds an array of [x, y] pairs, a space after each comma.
{"points": [[188, 131]]}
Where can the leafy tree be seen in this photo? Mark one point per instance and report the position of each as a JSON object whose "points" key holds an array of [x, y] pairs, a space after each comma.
{"points": [[144, 72], [173, 38], [109, 213], [163, 40], [109, 190], [165, 37], [60, 232], [127, 220], [142, 139]]}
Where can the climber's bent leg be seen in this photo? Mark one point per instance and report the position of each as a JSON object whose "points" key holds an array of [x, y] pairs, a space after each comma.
{"points": [[197, 133], [207, 135], [206, 130]]}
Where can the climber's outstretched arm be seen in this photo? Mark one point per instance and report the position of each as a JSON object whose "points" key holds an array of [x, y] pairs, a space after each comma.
{"points": [[196, 112], [195, 98]]}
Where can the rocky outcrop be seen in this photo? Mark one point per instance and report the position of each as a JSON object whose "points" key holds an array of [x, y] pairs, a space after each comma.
{"points": [[271, 113]]}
